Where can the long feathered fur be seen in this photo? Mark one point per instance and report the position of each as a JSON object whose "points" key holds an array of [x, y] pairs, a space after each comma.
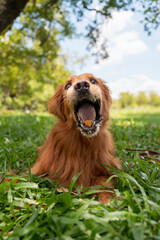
{"points": [[67, 152]]}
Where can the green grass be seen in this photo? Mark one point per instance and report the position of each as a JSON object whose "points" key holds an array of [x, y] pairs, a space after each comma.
{"points": [[34, 209]]}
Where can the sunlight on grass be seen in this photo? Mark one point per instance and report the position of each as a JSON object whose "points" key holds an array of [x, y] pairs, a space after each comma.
{"points": [[141, 113]]}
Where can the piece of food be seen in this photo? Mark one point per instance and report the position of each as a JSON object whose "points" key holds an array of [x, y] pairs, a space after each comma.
{"points": [[88, 123]]}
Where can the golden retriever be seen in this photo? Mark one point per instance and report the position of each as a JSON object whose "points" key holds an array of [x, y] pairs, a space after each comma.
{"points": [[79, 141]]}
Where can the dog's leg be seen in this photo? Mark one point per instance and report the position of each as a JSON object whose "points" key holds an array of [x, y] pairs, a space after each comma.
{"points": [[107, 195]]}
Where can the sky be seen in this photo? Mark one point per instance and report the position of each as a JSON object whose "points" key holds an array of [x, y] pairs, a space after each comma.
{"points": [[134, 57]]}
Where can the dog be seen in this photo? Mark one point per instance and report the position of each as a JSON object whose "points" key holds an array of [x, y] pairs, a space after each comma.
{"points": [[80, 140]]}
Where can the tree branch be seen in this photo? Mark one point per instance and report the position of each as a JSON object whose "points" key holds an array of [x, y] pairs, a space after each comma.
{"points": [[9, 11]]}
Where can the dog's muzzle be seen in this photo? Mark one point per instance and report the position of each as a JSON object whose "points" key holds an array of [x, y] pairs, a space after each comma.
{"points": [[87, 114]]}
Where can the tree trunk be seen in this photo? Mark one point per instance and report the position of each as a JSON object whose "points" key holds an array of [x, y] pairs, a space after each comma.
{"points": [[9, 11]]}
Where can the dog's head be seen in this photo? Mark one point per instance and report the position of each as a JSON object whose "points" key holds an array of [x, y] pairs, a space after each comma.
{"points": [[84, 99]]}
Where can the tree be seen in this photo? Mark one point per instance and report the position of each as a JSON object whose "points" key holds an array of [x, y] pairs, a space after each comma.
{"points": [[30, 68], [9, 11], [126, 99], [154, 99], [28, 77], [43, 9], [142, 99]]}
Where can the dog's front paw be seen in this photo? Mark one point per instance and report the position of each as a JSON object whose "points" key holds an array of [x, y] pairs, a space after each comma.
{"points": [[105, 197]]}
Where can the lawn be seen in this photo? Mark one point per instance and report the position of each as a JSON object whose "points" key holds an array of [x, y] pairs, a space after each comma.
{"points": [[33, 208]]}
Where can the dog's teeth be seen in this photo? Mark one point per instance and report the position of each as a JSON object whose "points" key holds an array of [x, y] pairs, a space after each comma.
{"points": [[78, 116]]}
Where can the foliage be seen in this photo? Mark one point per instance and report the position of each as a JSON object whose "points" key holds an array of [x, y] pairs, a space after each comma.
{"points": [[127, 99], [30, 66], [142, 98], [54, 13], [34, 209], [150, 8], [154, 99]]}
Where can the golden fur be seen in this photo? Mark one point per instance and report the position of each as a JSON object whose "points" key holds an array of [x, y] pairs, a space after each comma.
{"points": [[67, 151]]}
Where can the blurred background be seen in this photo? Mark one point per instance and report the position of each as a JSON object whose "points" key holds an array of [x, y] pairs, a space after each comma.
{"points": [[42, 42]]}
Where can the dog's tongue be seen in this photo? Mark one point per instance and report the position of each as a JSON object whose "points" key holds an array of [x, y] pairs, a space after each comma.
{"points": [[87, 112]]}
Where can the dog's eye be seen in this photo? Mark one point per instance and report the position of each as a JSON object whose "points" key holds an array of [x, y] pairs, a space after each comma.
{"points": [[93, 81], [68, 86]]}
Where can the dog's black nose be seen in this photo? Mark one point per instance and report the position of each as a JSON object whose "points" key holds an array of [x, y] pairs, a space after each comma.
{"points": [[82, 87]]}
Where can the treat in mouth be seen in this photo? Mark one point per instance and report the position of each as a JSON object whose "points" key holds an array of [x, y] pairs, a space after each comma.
{"points": [[87, 113], [88, 123]]}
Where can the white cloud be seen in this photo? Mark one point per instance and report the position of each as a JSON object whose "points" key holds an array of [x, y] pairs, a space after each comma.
{"points": [[135, 84], [125, 44], [117, 23], [158, 47], [146, 83], [121, 42], [120, 85]]}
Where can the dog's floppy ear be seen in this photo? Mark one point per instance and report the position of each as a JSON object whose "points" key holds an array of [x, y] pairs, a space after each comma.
{"points": [[55, 103], [107, 94], [107, 100]]}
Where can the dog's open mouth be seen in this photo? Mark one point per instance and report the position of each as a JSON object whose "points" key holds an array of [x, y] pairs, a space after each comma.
{"points": [[87, 113]]}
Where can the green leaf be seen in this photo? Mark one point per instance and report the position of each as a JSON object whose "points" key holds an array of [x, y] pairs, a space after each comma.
{"points": [[73, 181], [26, 185]]}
